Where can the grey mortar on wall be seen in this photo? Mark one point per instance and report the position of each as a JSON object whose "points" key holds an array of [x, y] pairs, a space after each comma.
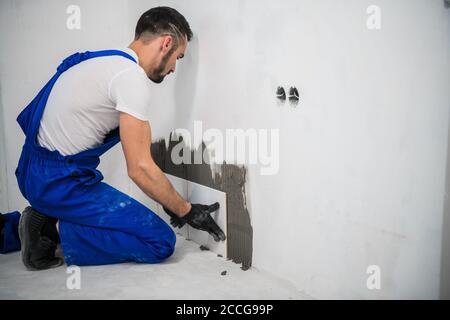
{"points": [[229, 178]]}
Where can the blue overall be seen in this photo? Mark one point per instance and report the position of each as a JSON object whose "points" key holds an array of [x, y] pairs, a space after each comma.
{"points": [[9, 238], [97, 223]]}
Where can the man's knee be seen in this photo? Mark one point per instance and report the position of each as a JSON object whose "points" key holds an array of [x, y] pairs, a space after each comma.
{"points": [[167, 247], [164, 246]]}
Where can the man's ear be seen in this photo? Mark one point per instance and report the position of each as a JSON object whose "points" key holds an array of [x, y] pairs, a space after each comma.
{"points": [[167, 43]]}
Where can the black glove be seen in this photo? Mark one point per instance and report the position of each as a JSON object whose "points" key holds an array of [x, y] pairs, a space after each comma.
{"points": [[175, 221], [199, 217]]}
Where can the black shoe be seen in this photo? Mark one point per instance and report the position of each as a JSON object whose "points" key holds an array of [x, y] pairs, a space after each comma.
{"points": [[38, 251]]}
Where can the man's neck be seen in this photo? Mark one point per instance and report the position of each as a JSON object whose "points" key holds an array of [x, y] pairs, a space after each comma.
{"points": [[133, 46]]}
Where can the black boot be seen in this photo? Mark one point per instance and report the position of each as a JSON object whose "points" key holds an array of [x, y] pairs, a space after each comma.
{"points": [[38, 249]]}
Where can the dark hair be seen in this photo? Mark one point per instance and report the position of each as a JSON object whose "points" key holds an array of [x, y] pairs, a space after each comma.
{"points": [[163, 20]]}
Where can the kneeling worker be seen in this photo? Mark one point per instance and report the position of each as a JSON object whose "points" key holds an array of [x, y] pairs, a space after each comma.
{"points": [[94, 100]]}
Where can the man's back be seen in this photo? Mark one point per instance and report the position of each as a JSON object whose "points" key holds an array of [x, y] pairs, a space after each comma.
{"points": [[85, 101]]}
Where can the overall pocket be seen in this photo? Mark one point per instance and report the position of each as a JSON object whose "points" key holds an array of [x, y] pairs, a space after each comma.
{"points": [[86, 176]]}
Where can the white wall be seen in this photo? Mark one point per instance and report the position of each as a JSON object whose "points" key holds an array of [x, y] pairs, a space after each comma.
{"points": [[445, 258], [362, 158], [3, 175]]}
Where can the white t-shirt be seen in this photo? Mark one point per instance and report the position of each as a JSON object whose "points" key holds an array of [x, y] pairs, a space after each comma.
{"points": [[85, 101]]}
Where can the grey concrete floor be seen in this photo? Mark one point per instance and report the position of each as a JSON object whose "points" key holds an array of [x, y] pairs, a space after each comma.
{"points": [[189, 274]]}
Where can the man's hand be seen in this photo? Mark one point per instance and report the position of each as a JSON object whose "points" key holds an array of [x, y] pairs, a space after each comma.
{"points": [[199, 217], [175, 220]]}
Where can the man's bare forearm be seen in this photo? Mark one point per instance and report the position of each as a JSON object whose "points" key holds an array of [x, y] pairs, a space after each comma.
{"points": [[154, 183]]}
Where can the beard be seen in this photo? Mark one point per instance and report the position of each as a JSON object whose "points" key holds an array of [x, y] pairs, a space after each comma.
{"points": [[158, 75]]}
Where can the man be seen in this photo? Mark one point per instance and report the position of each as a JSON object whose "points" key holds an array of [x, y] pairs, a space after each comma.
{"points": [[94, 100]]}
